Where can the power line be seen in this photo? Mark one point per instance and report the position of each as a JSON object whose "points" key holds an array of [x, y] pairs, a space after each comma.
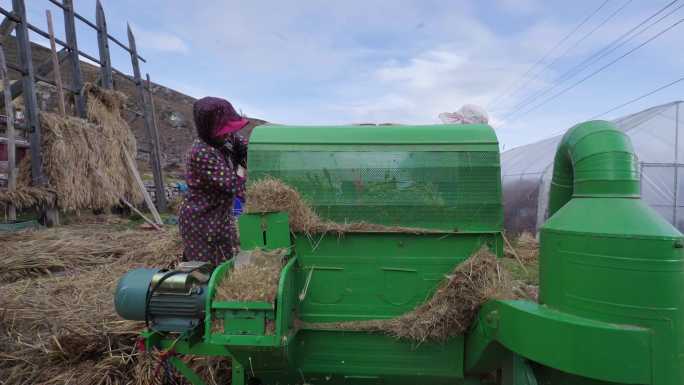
{"points": [[583, 38], [618, 43], [597, 56], [670, 84], [514, 87], [601, 69]]}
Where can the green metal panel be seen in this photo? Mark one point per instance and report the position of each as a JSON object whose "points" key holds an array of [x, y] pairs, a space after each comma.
{"points": [[399, 134], [441, 177], [244, 321], [577, 345], [277, 231], [268, 231], [251, 231], [357, 357], [607, 256], [375, 276]]}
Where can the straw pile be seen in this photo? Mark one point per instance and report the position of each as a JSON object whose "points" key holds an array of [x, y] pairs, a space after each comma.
{"points": [[61, 327], [452, 308], [84, 159], [256, 280], [270, 194], [26, 196]]}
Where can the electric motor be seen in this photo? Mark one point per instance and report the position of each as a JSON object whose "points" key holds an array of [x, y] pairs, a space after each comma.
{"points": [[167, 300]]}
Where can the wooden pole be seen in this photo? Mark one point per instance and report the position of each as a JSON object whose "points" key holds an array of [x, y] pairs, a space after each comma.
{"points": [[31, 103], [55, 64], [156, 148], [149, 125], [103, 47], [11, 149], [28, 81], [76, 78]]}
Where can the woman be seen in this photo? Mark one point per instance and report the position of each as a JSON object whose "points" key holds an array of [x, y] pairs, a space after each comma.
{"points": [[215, 178]]}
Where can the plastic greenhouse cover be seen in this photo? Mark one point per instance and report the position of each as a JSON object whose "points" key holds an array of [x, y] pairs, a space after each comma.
{"points": [[526, 170]]}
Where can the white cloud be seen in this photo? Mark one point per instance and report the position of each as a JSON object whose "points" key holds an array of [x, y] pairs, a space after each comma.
{"points": [[383, 61], [159, 41], [520, 6]]}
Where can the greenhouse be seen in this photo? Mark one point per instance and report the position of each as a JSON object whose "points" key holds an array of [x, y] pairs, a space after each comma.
{"points": [[527, 170]]}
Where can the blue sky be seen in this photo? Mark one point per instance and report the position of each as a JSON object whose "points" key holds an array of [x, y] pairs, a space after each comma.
{"points": [[337, 62]]}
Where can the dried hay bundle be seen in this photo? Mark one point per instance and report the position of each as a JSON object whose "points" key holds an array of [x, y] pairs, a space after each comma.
{"points": [[270, 194], [451, 310], [63, 329], [26, 196], [84, 160], [104, 106], [256, 280]]}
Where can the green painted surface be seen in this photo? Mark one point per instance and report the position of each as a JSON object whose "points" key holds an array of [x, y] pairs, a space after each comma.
{"points": [[594, 159], [345, 356], [374, 276], [445, 134], [611, 270], [605, 255], [441, 177], [581, 346], [357, 276], [268, 231]]}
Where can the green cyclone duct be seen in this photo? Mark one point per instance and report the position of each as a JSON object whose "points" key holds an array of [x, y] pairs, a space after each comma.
{"points": [[605, 255]]}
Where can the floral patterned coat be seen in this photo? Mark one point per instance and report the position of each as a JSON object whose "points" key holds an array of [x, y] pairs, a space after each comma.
{"points": [[207, 224]]}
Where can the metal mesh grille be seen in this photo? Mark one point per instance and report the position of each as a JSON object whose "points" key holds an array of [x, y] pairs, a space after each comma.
{"points": [[430, 189]]}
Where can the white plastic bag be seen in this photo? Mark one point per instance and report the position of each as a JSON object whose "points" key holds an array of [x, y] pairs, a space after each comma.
{"points": [[468, 114]]}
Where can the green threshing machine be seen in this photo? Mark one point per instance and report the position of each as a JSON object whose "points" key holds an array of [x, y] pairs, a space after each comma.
{"points": [[611, 278]]}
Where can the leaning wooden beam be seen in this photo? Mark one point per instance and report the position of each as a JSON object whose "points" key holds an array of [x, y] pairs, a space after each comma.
{"points": [[11, 149], [156, 148], [55, 65], [148, 199], [145, 218]]}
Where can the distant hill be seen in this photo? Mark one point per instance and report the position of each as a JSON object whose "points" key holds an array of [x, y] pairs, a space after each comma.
{"points": [[173, 108]]}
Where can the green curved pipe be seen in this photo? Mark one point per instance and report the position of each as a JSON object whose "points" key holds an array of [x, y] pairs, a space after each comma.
{"points": [[611, 278], [594, 159]]}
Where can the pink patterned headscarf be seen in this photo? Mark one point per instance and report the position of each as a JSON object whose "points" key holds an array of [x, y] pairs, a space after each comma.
{"points": [[216, 117]]}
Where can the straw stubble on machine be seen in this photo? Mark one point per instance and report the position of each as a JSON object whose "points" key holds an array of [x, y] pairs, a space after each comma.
{"points": [[340, 292]]}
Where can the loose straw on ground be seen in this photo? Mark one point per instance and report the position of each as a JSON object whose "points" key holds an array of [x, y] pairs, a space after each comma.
{"points": [[58, 324]]}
